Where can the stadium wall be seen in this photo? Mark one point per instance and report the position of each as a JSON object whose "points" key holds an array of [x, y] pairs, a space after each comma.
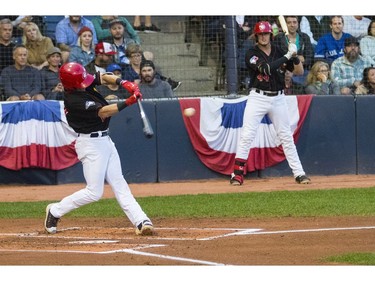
{"points": [[336, 138]]}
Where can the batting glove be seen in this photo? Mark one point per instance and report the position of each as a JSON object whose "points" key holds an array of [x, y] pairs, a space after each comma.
{"points": [[292, 50], [129, 86], [137, 95]]}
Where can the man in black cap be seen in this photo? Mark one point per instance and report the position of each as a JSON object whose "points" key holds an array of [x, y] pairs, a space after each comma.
{"points": [[150, 86], [347, 70]]}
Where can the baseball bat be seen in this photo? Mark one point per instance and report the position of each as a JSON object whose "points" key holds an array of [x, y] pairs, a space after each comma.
{"points": [[283, 25], [147, 129]]}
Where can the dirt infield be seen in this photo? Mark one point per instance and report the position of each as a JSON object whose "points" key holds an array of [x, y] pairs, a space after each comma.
{"points": [[276, 241]]}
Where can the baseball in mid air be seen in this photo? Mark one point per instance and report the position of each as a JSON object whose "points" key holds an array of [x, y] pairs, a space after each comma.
{"points": [[188, 112]]}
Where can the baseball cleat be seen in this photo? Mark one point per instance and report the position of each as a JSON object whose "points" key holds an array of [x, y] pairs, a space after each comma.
{"points": [[50, 223], [236, 179], [145, 228], [302, 179]]}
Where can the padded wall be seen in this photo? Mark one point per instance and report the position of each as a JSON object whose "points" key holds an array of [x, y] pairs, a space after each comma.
{"points": [[137, 153], [27, 176], [72, 174], [366, 134], [327, 143], [176, 157]]}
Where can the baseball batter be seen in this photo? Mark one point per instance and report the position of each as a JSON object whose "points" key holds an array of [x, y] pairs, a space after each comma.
{"points": [[89, 114], [267, 64]]}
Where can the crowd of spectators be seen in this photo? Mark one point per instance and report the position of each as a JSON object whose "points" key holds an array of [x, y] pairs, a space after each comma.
{"points": [[30, 61], [335, 52], [346, 45]]}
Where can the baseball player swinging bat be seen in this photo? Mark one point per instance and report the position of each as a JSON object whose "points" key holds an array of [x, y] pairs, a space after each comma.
{"points": [[147, 129]]}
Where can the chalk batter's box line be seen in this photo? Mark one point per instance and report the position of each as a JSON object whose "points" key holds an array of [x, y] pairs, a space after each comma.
{"points": [[135, 250], [234, 231]]}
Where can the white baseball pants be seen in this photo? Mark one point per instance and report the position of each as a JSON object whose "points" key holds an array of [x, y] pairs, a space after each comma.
{"points": [[100, 162], [276, 107]]}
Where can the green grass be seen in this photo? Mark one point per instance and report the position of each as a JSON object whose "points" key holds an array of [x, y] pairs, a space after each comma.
{"points": [[353, 259], [307, 203]]}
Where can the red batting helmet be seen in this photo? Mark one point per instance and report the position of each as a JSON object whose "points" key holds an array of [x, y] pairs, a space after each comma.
{"points": [[262, 27], [74, 76]]}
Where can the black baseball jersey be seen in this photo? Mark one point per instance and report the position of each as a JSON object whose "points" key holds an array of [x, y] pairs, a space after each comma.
{"points": [[277, 63], [81, 109]]}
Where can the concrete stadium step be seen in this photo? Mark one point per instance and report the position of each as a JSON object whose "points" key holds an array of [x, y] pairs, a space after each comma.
{"points": [[196, 86], [174, 49], [176, 61], [179, 60], [172, 26], [191, 73], [161, 38]]}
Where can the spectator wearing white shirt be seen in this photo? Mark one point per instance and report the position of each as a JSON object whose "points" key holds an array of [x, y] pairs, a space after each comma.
{"points": [[367, 43], [315, 27], [356, 25]]}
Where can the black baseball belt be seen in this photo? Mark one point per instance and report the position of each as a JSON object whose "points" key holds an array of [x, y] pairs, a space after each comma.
{"points": [[268, 93], [94, 134]]}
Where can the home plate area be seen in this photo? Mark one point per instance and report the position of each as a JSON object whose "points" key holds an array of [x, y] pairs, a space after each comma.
{"points": [[279, 241], [109, 240]]}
